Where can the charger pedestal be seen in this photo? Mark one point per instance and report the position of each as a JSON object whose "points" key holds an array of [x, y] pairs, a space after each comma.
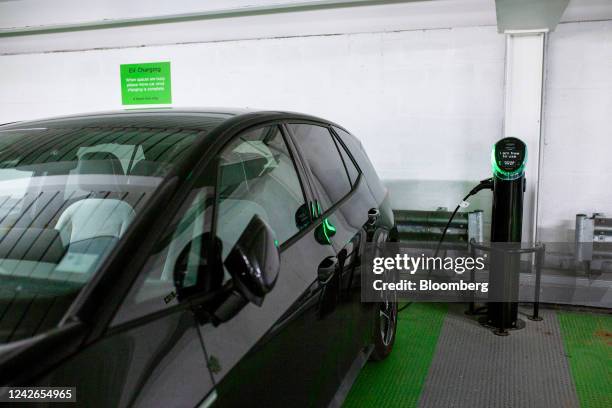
{"points": [[508, 159]]}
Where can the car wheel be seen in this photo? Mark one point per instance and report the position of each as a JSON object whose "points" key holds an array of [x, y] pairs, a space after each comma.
{"points": [[385, 326]]}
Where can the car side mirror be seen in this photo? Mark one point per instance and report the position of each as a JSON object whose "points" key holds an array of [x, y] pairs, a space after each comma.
{"points": [[253, 263]]}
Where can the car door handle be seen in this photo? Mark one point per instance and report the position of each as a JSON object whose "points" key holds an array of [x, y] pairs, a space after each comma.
{"points": [[326, 269], [373, 215]]}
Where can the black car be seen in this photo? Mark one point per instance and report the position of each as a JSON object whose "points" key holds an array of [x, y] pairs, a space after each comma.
{"points": [[188, 258]]}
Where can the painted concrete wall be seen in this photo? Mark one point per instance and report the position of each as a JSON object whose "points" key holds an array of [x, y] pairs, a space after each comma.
{"points": [[426, 100], [389, 17], [576, 176], [427, 104]]}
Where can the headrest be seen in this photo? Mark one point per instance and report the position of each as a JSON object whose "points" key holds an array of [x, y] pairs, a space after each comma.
{"points": [[98, 171], [99, 163], [241, 167]]}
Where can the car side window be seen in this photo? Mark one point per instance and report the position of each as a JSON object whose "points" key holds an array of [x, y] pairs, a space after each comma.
{"points": [[257, 175], [349, 164], [177, 257], [321, 152], [366, 167]]}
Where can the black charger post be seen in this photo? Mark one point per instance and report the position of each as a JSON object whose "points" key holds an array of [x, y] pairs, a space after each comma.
{"points": [[508, 159]]}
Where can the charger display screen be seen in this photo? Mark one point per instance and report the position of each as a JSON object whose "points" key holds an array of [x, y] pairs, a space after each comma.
{"points": [[509, 158]]}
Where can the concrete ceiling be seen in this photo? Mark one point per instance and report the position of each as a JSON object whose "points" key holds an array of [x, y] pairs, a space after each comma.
{"points": [[529, 15], [25, 17]]}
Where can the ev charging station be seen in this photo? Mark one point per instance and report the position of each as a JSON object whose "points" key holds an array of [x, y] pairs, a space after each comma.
{"points": [[508, 160]]}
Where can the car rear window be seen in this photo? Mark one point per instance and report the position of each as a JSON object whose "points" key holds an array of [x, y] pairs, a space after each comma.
{"points": [[349, 165]]}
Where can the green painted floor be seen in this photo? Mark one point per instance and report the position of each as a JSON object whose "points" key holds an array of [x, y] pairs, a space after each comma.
{"points": [[398, 380], [588, 344]]}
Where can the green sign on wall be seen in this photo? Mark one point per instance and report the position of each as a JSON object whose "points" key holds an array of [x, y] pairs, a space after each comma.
{"points": [[145, 84]]}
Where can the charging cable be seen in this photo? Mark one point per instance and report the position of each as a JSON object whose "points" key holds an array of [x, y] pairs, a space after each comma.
{"points": [[486, 184]]}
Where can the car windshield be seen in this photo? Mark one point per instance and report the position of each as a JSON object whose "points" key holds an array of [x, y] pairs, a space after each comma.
{"points": [[67, 196]]}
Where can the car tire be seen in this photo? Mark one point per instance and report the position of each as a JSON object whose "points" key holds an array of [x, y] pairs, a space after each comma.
{"points": [[385, 328]]}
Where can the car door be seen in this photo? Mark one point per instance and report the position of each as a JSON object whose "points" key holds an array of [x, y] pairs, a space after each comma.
{"points": [[367, 208], [356, 221], [344, 203], [281, 353]]}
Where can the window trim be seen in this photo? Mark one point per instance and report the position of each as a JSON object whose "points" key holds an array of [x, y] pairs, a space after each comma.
{"points": [[347, 150], [348, 176]]}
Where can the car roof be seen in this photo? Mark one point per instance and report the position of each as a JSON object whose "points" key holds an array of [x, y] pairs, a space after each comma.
{"points": [[169, 118]]}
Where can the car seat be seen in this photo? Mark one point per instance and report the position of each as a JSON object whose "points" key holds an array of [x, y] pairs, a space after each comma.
{"points": [[96, 216]]}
